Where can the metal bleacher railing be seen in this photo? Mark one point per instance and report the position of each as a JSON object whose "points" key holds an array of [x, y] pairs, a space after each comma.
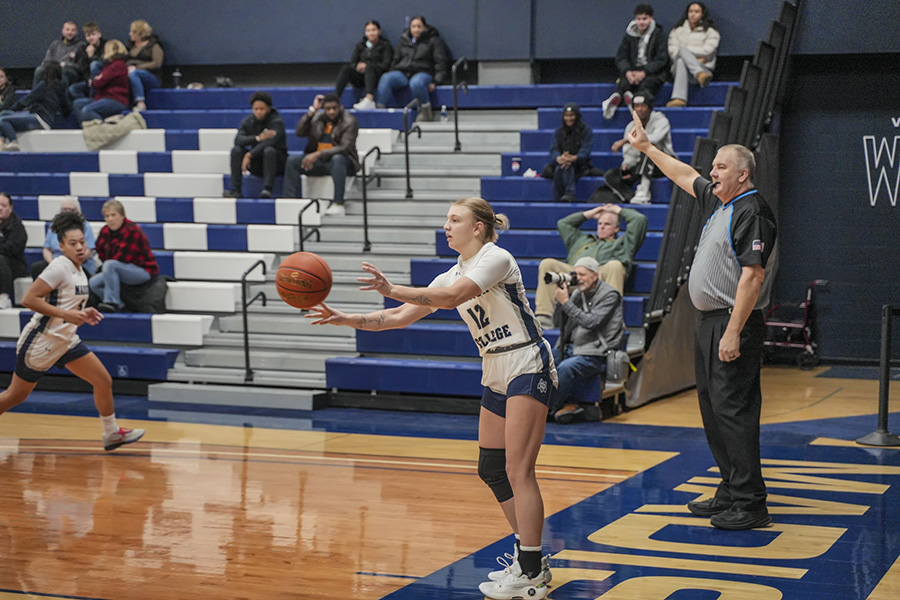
{"points": [[750, 110]]}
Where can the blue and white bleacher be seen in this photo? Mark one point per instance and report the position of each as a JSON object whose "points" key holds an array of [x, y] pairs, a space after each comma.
{"points": [[123, 362], [538, 189], [514, 164]]}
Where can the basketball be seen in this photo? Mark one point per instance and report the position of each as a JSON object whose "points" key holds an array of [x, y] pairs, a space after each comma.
{"points": [[303, 279]]}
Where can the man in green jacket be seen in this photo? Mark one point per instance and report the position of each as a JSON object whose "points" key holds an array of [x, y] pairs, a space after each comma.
{"points": [[614, 253]]}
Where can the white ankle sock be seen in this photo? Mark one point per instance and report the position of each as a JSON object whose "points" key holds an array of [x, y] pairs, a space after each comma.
{"points": [[109, 424]]}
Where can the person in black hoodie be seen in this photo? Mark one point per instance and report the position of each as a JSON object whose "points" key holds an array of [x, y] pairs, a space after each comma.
{"points": [[642, 61], [570, 154], [260, 147], [420, 62], [13, 239], [372, 56], [41, 109], [7, 92]]}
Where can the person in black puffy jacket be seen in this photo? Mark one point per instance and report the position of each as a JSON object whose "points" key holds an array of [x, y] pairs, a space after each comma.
{"points": [[372, 56]]}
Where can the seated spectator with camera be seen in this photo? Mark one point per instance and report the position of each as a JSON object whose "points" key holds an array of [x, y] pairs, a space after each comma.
{"points": [[614, 254], [590, 325]]}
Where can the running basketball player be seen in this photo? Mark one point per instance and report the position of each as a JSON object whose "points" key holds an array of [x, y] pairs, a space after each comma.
{"points": [[519, 377], [57, 298]]}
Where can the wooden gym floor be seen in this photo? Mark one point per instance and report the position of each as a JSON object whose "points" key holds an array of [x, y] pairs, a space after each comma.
{"points": [[344, 503]]}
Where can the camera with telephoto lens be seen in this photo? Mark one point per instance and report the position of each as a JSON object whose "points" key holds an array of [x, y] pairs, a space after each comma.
{"points": [[561, 278]]}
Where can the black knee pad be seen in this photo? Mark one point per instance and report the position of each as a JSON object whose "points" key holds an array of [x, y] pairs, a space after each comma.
{"points": [[492, 470]]}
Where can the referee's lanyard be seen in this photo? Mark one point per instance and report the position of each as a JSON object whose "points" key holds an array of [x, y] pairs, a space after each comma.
{"points": [[753, 191]]}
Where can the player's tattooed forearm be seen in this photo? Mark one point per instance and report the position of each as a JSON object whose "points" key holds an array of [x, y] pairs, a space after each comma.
{"points": [[373, 323], [422, 300], [361, 322]]}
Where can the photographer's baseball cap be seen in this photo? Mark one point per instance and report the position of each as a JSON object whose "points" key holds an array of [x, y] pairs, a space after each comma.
{"points": [[588, 263]]}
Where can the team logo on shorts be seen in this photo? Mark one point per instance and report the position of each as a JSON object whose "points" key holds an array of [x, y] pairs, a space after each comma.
{"points": [[542, 386]]}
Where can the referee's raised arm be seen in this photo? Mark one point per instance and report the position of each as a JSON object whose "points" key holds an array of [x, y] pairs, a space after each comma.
{"points": [[681, 173]]}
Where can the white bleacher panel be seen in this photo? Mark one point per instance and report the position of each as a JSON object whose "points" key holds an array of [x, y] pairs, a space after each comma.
{"points": [[53, 140], [220, 266], [272, 238], [203, 296], [89, 184], [140, 209], [318, 186], [48, 206], [216, 139], [184, 236], [202, 161], [180, 330], [222, 211], [20, 286], [36, 232], [9, 323], [179, 185], [96, 226], [118, 161], [369, 138], [142, 140], [287, 211]]}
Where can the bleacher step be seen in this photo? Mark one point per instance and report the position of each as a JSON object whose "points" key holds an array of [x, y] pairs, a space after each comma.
{"points": [[274, 360], [336, 233], [418, 173], [508, 139], [380, 248], [293, 343], [275, 324], [395, 179], [447, 159], [419, 193], [417, 209], [233, 395]]}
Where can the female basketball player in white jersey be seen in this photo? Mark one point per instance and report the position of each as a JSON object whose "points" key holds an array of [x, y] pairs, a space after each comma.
{"points": [[519, 377], [57, 298]]}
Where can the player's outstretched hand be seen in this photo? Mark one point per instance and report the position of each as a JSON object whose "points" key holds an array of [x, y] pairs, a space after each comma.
{"points": [[377, 281], [92, 315], [637, 137], [325, 315]]}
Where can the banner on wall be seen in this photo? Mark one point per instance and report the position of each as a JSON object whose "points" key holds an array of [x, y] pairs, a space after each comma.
{"points": [[883, 166]]}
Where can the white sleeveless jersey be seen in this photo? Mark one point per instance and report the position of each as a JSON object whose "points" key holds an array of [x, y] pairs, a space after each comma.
{"points": [[70, 291], [500, 316]]}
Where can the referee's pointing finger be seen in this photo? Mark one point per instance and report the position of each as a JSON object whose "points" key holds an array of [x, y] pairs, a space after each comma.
{"points": [[637, 137]]}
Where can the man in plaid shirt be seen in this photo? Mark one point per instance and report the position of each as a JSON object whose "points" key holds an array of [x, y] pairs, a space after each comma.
{"points": [[127, 258]]}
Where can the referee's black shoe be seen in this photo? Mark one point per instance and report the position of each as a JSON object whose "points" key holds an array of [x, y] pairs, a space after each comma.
{"points": [[736, 518], [708, 508]]}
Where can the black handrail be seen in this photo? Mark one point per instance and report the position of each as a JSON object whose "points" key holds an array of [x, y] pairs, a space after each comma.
{"points": [[882, 436], [367, 246], [248, 372], [315, 229], [461, 62], [406, 131]]}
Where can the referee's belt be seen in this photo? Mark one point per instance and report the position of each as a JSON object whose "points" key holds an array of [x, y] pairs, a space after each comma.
{"points": [[512, 347], [721, 312]]}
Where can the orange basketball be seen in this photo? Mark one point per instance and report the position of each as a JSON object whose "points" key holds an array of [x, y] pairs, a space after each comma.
{"points": [[303, 279]]}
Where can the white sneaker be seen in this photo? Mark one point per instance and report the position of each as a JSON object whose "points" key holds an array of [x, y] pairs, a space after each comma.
{"points": [[642, 193], [5, 302], [508, 560], [610, 105], [12, 146], [335, 210], [530, 173], [515, 585], [629, 99], [365, 104], [121, 437]]}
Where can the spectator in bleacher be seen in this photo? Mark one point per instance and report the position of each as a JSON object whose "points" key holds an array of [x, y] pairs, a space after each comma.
{"points": [[614, 253], [260, 147], [127, 258], [641, 61], [47, 103], [420, 62], [518, 374], [330, 149], [92, 54], [693, 43], [145, 60], [570, 154], [51, 243], [65, 52], [7, 92], [593, 312], [50, 338], [371, 58], [636, 168], [111, 87], [13, 239]]}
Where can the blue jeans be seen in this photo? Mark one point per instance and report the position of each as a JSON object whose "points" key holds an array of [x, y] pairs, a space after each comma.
{"points": [[142, 82], [88, 110], [17, 123], [338, 167], [108, 282], [395, 80], [82, 89], [572, 370]]}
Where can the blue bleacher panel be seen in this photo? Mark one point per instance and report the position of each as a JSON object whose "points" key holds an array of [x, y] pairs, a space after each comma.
{"points": [[126, 362], [540, 140], [154, 162], [182, 139], [427, 377], [49, 162], [173, 210], [544, 215], [538, 189], [537, 161], [231, 118], [115, 327], [165, 260], [691, 117], [421, 339], [255, 210], [32, 184], [540, 244]]}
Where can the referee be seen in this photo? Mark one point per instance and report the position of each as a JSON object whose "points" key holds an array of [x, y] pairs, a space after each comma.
{"points": [[730, 284]]}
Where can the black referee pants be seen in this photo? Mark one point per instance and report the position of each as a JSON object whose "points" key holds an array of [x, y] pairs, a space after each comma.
{"points": [[730, 403]]}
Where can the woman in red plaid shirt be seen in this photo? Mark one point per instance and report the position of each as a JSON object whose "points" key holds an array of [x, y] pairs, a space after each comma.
{"points": [[126, 255]]}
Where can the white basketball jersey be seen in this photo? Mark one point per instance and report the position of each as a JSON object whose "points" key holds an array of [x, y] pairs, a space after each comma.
{"points": [[500, 316], [70, 291]]}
